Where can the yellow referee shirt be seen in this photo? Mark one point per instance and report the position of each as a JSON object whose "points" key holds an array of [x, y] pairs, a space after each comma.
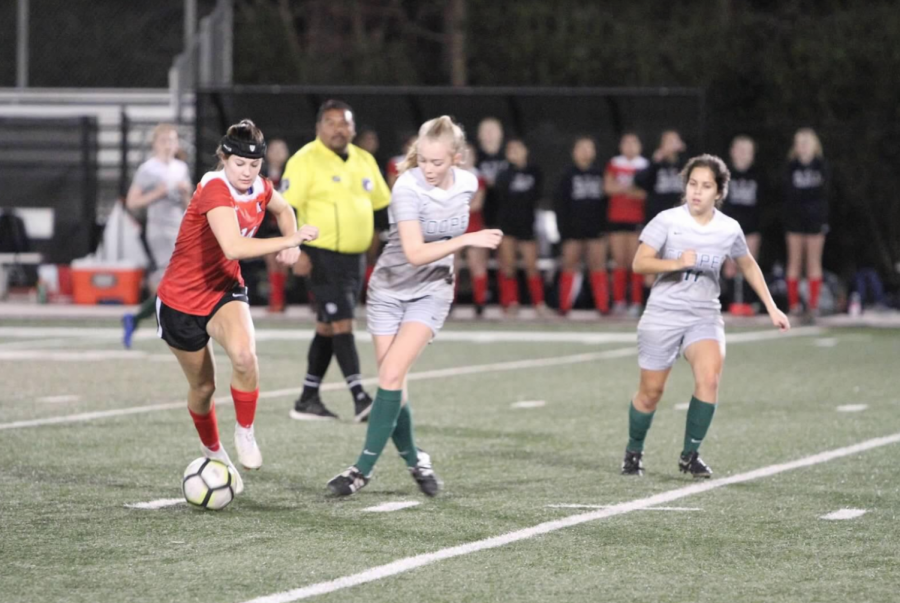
{"points": [[335, 195]]}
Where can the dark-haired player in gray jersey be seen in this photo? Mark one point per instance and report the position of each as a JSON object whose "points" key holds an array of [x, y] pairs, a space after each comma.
{"points": [[411, 290], [684, 247]]}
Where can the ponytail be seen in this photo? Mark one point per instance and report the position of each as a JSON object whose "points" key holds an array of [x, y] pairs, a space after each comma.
{"points": [[434, 129]]}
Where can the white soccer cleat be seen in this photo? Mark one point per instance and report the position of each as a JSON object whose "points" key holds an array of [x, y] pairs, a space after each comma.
{"points": [[221, 455], [247, 449]]}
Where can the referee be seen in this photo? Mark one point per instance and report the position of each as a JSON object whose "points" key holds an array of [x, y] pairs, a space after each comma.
{"points": [[337, 186]]}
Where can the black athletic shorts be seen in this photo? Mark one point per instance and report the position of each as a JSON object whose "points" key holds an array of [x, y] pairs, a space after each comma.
{"points": [[808, 220], [336, 282], [520, 227], [634, 227], [583, 227], [186, 331]]}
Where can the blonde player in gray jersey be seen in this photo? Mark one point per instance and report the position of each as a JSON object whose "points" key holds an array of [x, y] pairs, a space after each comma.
{"points": [[684, 248], [411, 290]]}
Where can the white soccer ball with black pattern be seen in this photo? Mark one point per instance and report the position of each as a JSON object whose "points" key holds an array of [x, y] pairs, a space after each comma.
{"points": [[208, 484]]}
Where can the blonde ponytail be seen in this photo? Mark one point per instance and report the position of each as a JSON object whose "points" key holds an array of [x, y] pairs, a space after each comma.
{"points": [[433, 129]]}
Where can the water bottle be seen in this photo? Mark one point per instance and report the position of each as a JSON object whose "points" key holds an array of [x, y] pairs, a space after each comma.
{"points": [[854, 308]]}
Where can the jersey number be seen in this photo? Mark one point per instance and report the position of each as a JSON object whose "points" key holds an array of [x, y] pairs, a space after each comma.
{"points": [[248, 232], [694, 273]]}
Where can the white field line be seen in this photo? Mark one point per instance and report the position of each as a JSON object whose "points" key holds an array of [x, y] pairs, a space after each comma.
{"points": [[410, 563], [529, 404], [575, 506], [852, 408], [825, 342], [61, 399], [845, 514], [392, 506], [424, 375], [157, 504]]}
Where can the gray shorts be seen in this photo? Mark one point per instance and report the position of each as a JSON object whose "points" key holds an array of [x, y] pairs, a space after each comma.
{"points": [[658, 347], [385, 314]]}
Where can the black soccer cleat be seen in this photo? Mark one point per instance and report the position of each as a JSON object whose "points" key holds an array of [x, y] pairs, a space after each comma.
{"points": [[362, 407], [350, 481], [693, 464], [633, 464], [311, 409], [429, 483]]}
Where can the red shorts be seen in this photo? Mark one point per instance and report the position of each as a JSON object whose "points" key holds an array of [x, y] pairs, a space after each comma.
{"points": [[476, 222]]}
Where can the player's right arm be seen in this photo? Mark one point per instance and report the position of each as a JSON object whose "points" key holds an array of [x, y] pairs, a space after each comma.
{"points": [[419, 253], [225, 227], [647, 261]]}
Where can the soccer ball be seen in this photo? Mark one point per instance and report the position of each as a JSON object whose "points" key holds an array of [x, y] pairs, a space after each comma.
{"points": [[208, 484]]}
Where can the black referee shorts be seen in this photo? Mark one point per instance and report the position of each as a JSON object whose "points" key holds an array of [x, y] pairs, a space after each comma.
{"points": [[336, 282], [186, 331]]}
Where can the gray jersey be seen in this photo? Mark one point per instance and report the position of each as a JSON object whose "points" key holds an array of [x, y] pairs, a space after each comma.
{"points": [[163, 215], [442, 214], [686, 296]]}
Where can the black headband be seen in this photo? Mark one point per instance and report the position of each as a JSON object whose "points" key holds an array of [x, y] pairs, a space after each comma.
{"points": [[250, 150]]}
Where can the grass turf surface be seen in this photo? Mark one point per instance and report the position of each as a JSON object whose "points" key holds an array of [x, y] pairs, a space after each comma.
{"points": [[67, 535]]}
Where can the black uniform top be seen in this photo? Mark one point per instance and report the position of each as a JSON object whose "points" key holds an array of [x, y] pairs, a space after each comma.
{"points": [[580, 198], [490, 166], [744, 194], [662, 181], [518, 192], [806, 184]]}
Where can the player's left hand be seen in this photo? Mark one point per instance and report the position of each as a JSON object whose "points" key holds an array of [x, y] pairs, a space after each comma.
{"points": [[288, 257], [308, 233], [780, 320]]}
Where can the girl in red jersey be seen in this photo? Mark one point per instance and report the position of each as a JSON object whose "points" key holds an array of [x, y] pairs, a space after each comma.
{"points": [[203, 276], [625, 214]]}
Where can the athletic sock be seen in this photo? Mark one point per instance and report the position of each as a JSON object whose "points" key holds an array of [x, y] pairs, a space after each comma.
{"points": [[638, 426], [619, 280], [793, 292], [566, 282], [815, 287], [699, 416], [509, 290], [637, 288], [600, 289], [348, 359], [318, 359], [207, 427], [382, 422], [277, 282], [245, 406], [536, 289], [479, 289], [146, 310], [403, 436]]}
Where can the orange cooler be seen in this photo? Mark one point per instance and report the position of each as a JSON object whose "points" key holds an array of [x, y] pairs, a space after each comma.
{"points": [[99, 284]]}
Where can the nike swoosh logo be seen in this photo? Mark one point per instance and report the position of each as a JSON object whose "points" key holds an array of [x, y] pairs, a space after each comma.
{"points": [[696, 441], [369, 453], [237, 295]]}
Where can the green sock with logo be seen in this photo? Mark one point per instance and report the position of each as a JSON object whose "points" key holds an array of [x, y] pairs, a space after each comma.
{"points": [[699, 416], [382, 422]]}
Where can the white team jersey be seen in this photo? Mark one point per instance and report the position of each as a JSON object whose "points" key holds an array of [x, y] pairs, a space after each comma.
{"points": [[683, 297], [442, 214], [163, 215]]}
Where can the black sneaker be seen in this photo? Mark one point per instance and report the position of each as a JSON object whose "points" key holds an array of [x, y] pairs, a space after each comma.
{"points": [[311, 409], [429, 483], [633, 463], [693, 464], [348, 482], [362, 407]]}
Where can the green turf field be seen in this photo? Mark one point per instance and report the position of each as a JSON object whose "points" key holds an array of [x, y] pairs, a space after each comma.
{"points": [[86, 429]]}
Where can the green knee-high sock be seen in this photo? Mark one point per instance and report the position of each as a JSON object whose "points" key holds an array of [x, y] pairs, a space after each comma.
{"points": [[146, 310], [638, 425], [700, 415], [403, 436], [382, 421]]}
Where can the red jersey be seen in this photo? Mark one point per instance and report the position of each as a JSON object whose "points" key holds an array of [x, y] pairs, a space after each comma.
{"points": [[625, 208], [199, 273]]}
